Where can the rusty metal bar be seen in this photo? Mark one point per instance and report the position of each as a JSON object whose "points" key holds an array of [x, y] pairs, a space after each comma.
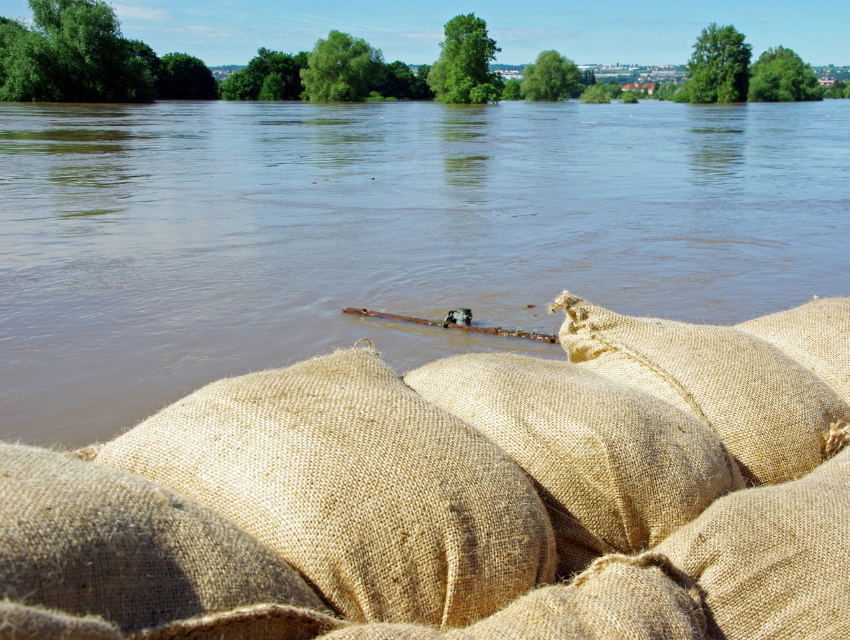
{"points": [[498, 331]]}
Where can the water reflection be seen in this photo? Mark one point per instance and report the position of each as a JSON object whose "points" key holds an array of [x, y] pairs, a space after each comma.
{"points": [[465, 132], [717, 146]]}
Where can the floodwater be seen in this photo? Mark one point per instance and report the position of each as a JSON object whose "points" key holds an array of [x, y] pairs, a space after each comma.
{"points": [[149, 249]]}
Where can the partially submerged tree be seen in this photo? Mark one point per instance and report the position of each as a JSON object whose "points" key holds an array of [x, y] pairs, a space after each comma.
{"points": [[74, 52], [596, 95], [185, 77], [718, 70], [462, 73], [255, 81], [780, 75], [340, 69], [512, 90], [551, 77]]}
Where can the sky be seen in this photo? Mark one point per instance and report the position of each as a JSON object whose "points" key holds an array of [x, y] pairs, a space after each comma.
{"points": [[653, 32]]}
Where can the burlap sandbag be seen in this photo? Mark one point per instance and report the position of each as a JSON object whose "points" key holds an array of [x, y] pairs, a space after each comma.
{"points": [[629, 467], [618, 597], [773, 414], [773, 560], [396, 510], [258, 622], [86, 550], [816, 334]]}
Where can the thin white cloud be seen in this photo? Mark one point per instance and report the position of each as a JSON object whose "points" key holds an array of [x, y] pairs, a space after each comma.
{"points": [[139, 12]]}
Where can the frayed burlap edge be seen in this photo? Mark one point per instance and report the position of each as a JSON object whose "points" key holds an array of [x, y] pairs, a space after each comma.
{"points": [[839, 437], [575, 309]]}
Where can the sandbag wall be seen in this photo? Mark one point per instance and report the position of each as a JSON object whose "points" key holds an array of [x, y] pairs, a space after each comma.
{"points": [[480, 496]]}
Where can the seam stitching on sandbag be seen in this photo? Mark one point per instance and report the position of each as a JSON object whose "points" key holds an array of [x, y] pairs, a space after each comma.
{"points": [[569, 303]]}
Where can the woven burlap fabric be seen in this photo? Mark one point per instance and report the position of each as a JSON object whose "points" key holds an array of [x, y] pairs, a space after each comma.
{"points": [[772, 561], [772, 413], [629, 467], [260, 622], [396, 510], [617, 598], [816, 334], [20, 622], [80, 540]]}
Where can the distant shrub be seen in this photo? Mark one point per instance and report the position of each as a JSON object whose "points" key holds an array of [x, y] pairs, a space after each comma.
{"points": [[596, 95]]}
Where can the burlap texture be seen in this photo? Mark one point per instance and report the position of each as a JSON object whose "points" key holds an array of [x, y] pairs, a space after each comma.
{"points": [[628, 466], [816, 334], [618, 598], [78, 540], [772, 413], [20, 622], [396, 510], [772, 561], [260, 622]]}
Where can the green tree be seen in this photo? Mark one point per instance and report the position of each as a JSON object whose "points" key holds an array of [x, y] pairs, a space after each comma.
{"points": [[512, 90], [185, 77], [780, 75], [551, 77], [596, 95], [74, 52], [247, 84], [464, 63], [421, 89], [629, 97], [394, 80], [340, 69], [718, 70]]}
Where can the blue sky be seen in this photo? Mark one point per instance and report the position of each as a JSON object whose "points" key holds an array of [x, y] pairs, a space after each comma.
{"points": [[606, 32]]}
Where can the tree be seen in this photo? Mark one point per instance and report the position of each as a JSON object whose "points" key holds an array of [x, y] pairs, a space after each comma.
{"points": [[596, 95], [185, 77], [512, 90], [629, 97], [394, 80], [74, 52], [464, 63], [550, 78], [780, 75], [718, 70], [421, 89], [340, 69], [247, 84]]}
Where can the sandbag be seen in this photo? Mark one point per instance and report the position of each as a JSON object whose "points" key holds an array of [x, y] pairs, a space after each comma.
{"points": [[627, 466], [396, 510], [773, 414], [772, 561], [816, 334], [258, 622], [618, 597], [87, 551]]}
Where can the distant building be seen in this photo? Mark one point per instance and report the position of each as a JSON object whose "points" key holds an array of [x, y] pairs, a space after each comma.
{"points": [[827, 82], [649, 87]]}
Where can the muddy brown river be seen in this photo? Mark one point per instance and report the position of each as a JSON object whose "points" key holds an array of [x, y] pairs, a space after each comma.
{"points": [[149, 249]]}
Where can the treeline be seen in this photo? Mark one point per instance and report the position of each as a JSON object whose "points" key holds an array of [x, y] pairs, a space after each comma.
{"points": [[340, 68], [74, 52]]}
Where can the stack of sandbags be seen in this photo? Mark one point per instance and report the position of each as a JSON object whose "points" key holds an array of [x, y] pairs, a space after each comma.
{"points": [[618, 469], [773, 560], [394, 509], [774, 415], [91, 552], [816, 334], [642, 598]]}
